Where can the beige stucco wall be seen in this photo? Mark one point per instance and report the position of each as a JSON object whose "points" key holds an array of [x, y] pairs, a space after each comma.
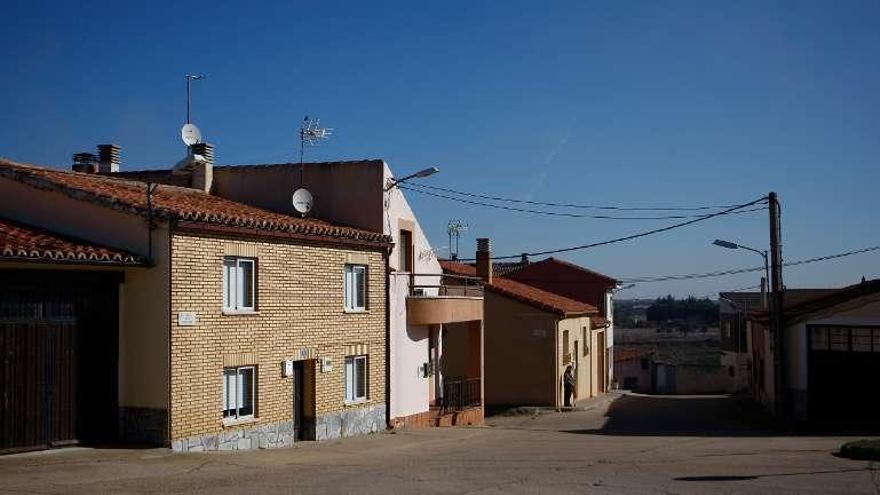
{"points": [[144, 299], [519, 349], [585, 364], [300, 305], [344, 193]]}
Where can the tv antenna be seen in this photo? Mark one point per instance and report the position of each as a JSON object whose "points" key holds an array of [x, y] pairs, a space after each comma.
{"points": [[310, 133], [455, 228]]}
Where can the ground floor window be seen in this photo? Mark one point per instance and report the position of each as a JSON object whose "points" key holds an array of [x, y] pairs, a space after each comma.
{"points": [[238, 392], [355, 378]]}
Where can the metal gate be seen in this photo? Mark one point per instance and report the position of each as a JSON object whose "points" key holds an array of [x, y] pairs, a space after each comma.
{"points": [[58, 359]]}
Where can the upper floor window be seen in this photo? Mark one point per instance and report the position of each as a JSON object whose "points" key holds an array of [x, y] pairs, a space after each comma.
{"points": [[355, 287], [405, 249], [239, 287]]}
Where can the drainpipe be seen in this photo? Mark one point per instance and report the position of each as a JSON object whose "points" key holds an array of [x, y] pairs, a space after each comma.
{"points": [[386, 256], [556, 363]]}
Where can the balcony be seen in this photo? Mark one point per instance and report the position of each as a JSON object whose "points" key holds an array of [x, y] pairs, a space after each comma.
{"points": [[435, 299]]}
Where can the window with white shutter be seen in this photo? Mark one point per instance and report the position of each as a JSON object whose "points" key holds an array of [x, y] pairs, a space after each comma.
{"points": [[355, 288], [239, 284]]}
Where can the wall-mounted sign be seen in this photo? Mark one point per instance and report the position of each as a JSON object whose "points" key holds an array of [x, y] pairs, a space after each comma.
{"points": [[186, 319], [287, 368], [326, 365]]}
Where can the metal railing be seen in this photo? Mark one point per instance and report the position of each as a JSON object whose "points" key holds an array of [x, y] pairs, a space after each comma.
{"points": [[449, 285], [460, 394]]}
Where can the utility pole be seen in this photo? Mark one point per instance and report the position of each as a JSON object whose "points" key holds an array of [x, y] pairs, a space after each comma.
{"points": [[777, 320]]}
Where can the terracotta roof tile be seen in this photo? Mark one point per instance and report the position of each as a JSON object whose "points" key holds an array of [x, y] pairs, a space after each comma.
{"points": [[20, 242], [525, 293], [178, 203]]}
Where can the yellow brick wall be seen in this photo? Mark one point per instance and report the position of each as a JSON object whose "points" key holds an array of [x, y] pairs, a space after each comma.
{"points": [[300, 304]]}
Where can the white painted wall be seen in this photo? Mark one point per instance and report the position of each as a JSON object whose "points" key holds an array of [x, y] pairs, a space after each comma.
{"points": [[409, 345], [609, 334]]}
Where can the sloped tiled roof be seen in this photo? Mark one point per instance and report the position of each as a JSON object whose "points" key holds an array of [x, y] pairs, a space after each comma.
{"points": [[179, 203], [24, 243], [802, 302], [525, 293], [554, 269]]}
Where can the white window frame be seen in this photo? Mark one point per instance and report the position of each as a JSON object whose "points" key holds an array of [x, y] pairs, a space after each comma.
{"points": [[351, 288], [233, 290], [352, 378], [237, 398]]}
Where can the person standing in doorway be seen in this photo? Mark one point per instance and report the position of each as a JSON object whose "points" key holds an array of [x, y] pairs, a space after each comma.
{"points": [[569, 383]]}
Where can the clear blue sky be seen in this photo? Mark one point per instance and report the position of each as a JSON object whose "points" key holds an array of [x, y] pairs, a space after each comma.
{"points": [[631, 103]]}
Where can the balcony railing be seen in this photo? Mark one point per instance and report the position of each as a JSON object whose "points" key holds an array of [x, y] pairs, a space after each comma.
{"points": [[460, 394], [445, 285]]}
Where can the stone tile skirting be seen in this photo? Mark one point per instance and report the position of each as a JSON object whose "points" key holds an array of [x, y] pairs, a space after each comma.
{"points": [[350, 422], [271, 436]]}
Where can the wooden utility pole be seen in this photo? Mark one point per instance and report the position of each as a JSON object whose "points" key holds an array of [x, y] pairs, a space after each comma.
{"points": [[777, 320]]}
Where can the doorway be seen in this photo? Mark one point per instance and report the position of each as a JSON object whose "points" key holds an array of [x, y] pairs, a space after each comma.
{"points": [[601, 352], [304, 400]]}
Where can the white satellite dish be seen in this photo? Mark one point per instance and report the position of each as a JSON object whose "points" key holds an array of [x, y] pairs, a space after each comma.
{"points": [[302, 201], [190, 134]]}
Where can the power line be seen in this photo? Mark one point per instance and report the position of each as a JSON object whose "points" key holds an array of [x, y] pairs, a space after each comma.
{"points": [[632, 236], [570, 205], [691, 276], [561, 214]]}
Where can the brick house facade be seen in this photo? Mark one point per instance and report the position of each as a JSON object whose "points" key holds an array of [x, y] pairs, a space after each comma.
{"points": [[188, 370], [299, 306]]}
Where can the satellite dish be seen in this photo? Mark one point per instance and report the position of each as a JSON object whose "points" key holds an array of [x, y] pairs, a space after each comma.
{"points": [[190, 134], [302, 201]]}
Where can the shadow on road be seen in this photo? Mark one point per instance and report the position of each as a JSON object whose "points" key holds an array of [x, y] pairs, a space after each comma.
{"points": [[710, 416], [772, 475]]}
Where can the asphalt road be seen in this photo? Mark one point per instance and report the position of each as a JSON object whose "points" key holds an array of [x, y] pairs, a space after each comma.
{"points": [[637, 444]]}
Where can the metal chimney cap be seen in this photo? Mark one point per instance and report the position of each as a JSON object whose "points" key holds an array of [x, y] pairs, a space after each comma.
{"points": [[484, 244]]}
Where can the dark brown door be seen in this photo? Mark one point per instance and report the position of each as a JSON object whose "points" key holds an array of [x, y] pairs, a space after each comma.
{"points": [[600, 364], [58, 359]]}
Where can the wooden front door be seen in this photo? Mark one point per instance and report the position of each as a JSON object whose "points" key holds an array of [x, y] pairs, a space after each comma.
{"points": [[58, 359], [601, 352]]}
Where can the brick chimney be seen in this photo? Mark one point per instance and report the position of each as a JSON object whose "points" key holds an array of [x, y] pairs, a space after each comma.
{"points": [[108, 158], [85, 162], [203, 171], [484, 259]]}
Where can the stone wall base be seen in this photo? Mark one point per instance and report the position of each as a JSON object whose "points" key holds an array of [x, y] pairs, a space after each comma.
{"points": [[143, 425], [270, 436], [350, 422], [347, 423]]}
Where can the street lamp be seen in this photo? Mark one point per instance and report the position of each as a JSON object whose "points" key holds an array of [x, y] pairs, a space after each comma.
{"points": [[418, 175], [733, 245]]}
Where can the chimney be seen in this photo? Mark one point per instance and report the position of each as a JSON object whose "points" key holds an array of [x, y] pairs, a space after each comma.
{"points": [[203, 171], [484, 259], [108, 158], [85, 162]]}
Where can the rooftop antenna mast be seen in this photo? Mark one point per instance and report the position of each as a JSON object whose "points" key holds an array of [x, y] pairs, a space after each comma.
{"points": [[189, 132], [189, 79], [310, 133], [455, 228]]}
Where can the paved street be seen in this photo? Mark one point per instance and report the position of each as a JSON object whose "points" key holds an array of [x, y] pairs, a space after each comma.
{"points": [[637, 444]]}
